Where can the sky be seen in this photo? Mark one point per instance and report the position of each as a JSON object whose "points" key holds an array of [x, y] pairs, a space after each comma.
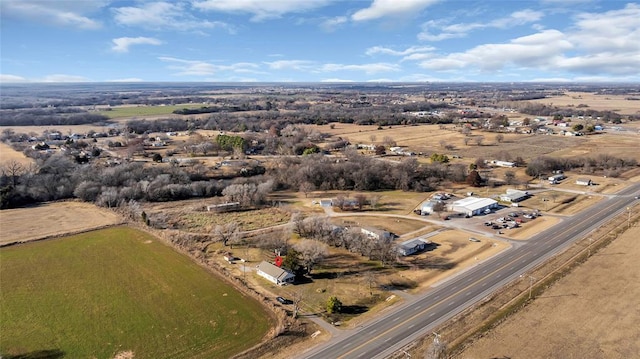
{"points": [[319, 41]]}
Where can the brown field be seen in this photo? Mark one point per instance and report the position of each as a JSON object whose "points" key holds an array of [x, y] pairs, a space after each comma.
{"points": [[616, 103], [590, 313], [9, 154], [453, 254], [52, 219]]}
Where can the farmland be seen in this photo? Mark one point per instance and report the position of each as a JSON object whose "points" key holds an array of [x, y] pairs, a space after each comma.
{"points": [[115, 290], [142, 111], [579, 317]]}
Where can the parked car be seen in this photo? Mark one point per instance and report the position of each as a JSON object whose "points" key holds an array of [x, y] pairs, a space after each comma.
{"points": [[473, 239], [283, 300]]}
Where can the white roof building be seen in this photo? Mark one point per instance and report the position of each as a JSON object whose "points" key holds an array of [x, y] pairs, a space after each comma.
{"points": [[274, 274], [473, 205]]}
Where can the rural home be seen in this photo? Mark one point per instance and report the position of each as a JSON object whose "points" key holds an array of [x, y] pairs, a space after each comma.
{"points": [[502, 163], [376, 233], [274, 274], [584, 182], [412, 246], [224, 207], [472, 206], [513, 195], [556, 178]]}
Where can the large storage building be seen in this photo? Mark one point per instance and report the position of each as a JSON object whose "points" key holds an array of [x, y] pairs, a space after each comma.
{"points": [[472, 206]]}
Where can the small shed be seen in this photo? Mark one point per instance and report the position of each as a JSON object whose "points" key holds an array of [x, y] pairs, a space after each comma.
{"points": [[584, 182]]}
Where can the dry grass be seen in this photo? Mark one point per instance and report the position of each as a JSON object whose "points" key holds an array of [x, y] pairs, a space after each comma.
{"points": [[616, 103], [591, 313], [398, 226], [454, 253], [9, 154], [52, 219]]}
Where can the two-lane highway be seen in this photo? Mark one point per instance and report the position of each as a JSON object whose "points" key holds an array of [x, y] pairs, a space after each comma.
{"points": [[385, 335]]}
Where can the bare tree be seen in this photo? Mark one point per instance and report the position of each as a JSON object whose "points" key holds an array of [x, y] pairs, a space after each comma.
{"points": [[361, 200], [388, 141], [228, 234], [509, 177], [499, 138], [479, 140], [13, 169], [311, 253], [374, 200], [466, 140], [306, 187]]}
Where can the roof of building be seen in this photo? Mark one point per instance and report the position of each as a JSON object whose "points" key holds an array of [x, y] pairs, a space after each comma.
{"points": [[413, 243], [273, 271], [474, 203]]}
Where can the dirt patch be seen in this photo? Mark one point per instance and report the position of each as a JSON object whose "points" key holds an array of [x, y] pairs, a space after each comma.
{"points": [[591, 313], [52, 219]]}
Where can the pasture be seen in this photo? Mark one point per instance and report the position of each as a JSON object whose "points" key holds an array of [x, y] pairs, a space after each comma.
{"points": [[52, 219], [142, 111], [101, 293]]}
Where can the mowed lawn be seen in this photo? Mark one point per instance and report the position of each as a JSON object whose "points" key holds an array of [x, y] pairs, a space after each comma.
{"points": [[100, 293]]}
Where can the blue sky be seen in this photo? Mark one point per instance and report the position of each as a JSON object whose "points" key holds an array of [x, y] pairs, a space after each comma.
{"points": [[319, 40]]}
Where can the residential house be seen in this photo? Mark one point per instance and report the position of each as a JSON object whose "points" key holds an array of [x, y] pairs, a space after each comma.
{"points": [[413, 246], [376, 233], [274, 274]]}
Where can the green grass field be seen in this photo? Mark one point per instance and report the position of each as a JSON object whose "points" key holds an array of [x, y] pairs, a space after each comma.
{"points": [[100, 293], [133, 111]]}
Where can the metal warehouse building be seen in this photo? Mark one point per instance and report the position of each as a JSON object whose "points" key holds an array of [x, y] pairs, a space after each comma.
{"points": [[472, 206]]}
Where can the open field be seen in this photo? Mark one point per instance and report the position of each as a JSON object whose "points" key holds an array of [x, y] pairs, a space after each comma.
{"points": [[99, 293], [192, 216], [398, 226], [52, 219], [142, 111], [616, 103], [590, 313], [9, 154]]}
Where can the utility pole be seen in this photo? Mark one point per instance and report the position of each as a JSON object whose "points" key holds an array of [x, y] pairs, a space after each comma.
{"points": [[590, 242], [629, 218]]}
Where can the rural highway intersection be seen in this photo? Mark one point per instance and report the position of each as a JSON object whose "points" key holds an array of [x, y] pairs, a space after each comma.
{"points": [[420, 315]]}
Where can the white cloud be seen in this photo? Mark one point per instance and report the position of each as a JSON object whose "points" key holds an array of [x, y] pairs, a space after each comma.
{"points": [[128, 79], [535, 50], [6, 78], [336, 80], [164, 15], [122, 44], [333, 23], [407, 52], [366, 68], [297, 65], [203, 68], [261, 9], [595, 45], [383, 8], [63, 13], [63, 78], [438, 30]]}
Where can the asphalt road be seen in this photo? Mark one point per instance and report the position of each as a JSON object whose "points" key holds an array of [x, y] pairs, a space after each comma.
{"points": [[389, 333]]}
